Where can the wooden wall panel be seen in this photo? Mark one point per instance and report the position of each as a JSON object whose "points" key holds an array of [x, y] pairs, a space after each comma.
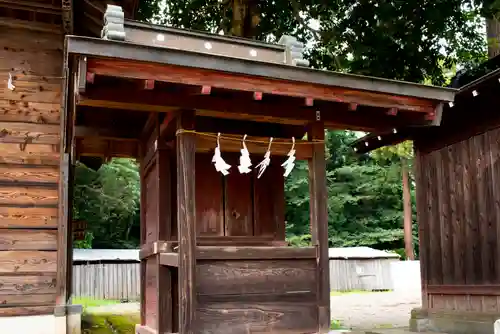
{"points": [[209, 197], [271, 317], [151, 297], [256, 277], [29, 170], [238, 197], [151, 200], [269, 201], [458, 200]]}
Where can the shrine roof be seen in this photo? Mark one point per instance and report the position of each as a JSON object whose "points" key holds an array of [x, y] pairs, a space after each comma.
{"points": [[124, 50]]}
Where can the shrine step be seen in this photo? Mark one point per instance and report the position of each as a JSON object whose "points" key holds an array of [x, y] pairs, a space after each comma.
{"points": [[396, 331]]}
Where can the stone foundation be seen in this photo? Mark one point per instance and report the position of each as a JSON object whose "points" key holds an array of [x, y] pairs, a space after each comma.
{"points": [[453, 322], [65, 320]]}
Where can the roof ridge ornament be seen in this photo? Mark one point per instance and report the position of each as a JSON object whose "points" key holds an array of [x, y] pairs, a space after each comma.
{"points": [[294, 53], [114, 19]]}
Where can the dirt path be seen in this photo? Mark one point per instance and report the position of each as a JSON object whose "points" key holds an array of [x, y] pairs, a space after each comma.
{"points": [[375, 310]]}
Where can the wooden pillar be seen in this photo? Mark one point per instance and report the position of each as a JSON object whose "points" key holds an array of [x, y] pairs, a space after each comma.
{"points": [[186, 221], [319, 222], [156, 228]]}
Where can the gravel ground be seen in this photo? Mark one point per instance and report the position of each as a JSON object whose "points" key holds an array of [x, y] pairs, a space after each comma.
{"points": [[375, 310]]}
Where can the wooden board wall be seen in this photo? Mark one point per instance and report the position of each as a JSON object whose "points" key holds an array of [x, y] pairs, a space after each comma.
{"points": [[29, 169], [264, 296], [458, 204], [239, 205]]}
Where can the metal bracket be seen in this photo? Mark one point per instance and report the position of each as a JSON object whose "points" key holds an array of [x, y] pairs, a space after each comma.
{"points": [[318, 115]]}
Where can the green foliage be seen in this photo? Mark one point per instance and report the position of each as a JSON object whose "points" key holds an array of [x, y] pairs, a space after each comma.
{"points": [[364, 198], [409, 40], [108, 200]]}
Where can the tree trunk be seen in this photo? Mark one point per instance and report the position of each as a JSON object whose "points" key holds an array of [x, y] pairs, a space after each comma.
{"points": [[246, 17], [493, 34], [408, 234]]}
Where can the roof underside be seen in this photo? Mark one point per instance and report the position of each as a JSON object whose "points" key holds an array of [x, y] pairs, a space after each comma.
{"points": [[298, 94], [477, 95]]}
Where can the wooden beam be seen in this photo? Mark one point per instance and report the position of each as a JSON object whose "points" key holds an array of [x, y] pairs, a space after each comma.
{"points": [[288, 111], [186, 223], [30, 25], [254, 253], [106, 133], [169, 260], [153, 248], [82, 74], [462, 290], [31, 6], [239, 82], [63, 232], [227, 144], [319, 222]]}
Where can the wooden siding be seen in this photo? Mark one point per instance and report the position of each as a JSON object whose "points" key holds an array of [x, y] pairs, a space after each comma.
{"points": [[29, 169], [116, 281], [361, 274], [458, 204]]}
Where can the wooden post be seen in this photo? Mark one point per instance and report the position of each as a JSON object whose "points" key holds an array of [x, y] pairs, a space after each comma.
{"points": [[319, 222], [408, 235], [164, 277], [186, 219]]}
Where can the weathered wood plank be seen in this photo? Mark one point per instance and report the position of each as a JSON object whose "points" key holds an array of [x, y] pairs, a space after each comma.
{"points": [[28, 240], [25, 311], [26, 284], [170, 260], [422, 214], [28, 262], [436, 269], [30, 95], [319, 222], [39, 62], [186, 222], [238, 207], [495, 179], [463, 289], [209, 197], [28, 299], [201, 77], [242, 317], [256, 277], [33, 154], [458, 222], [269, 202], [254, 253], [23, 40], [29, 196], [29, 133], [11, 217], [473, 255], [32, 112], [442, 184], [26, 173], [151, 293]]}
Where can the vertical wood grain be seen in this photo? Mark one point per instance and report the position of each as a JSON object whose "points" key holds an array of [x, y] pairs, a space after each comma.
{"points": [[186, 222], [319, 221]]}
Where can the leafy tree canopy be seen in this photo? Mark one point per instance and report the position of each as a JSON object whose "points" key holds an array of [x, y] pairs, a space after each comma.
{"points": [[407, 40]]}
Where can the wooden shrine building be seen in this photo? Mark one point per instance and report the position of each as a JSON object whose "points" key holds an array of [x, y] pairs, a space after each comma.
{"points": [[457, 170], [213, 252]]}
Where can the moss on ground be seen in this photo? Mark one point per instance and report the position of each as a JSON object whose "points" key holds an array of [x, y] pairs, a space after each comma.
{"points": [[109, 323]]}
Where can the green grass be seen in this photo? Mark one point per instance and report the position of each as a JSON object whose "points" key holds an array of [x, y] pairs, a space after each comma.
{"points": [[359, 292], [336, 324], [109, 323], [89, 302]]}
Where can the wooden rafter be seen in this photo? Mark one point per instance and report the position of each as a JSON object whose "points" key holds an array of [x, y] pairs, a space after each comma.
{"points": [[31, 6], [286, 111], [203, 77]]}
